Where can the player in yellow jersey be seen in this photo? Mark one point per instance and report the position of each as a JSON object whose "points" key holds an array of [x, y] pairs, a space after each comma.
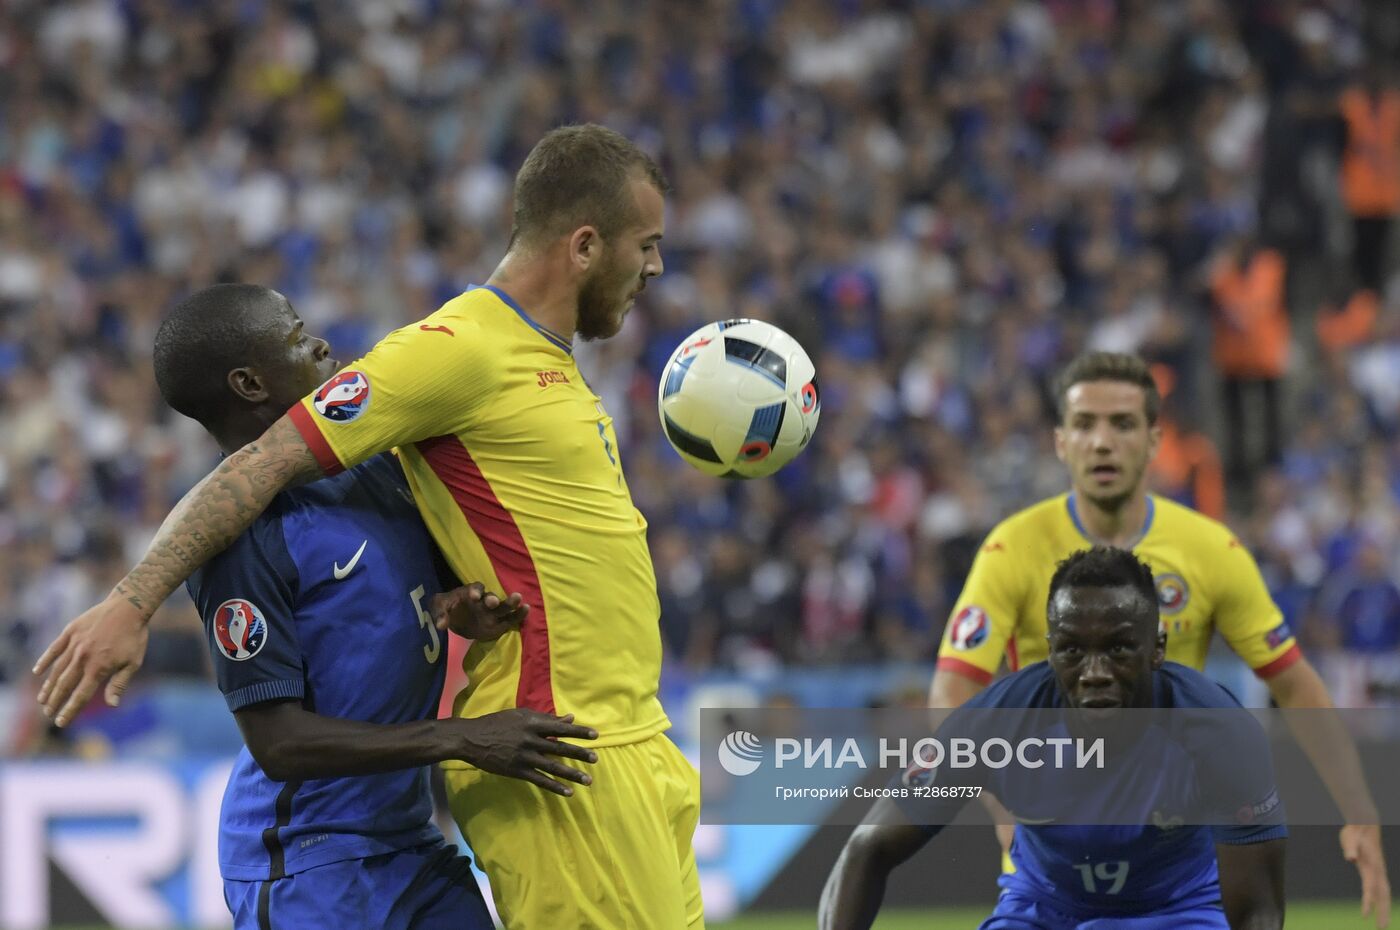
{"points": [[514, 465], [1206, 580]]}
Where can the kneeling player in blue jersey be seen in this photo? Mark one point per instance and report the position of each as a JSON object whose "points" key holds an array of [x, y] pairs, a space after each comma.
{"points": [[321, 630], [1106, 654]]}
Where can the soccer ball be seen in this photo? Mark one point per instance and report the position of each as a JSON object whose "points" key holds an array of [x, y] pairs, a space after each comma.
{"points": [[738, 399]]}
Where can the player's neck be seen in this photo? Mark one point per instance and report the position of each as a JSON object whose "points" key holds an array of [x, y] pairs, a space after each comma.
{"points": [[242, 427], [1122, 526], [536, 289]]}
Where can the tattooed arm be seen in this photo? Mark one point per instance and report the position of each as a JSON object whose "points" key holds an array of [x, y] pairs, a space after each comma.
{"points": [[109, 641]]}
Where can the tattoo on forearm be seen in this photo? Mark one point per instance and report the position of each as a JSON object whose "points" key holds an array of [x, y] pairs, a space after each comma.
{"points": [[217, 510]]}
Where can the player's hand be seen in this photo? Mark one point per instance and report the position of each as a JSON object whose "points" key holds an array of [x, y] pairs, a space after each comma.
{"points": [[474, 613], [523, 744], [1361, 844], [105, 642]]}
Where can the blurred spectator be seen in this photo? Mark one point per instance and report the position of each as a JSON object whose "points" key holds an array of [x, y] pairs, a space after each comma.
{"points": [[1251, 348], [1373, 369], [1351, 325], [1359, 614], [1187, 468], [1370, 169]]}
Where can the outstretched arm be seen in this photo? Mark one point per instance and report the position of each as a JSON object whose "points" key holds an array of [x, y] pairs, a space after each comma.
{"points": [[1334, 755], [1251, 884], [953, 688], [856, 886], [1252, 624], [291, 743], [108, 641]]}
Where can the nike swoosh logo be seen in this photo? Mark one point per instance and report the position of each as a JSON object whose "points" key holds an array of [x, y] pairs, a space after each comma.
{"points": [[340, 573]]}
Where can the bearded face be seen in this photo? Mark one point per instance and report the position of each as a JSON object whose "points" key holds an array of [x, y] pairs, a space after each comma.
{"points": [[607, 295], [600, 305]]}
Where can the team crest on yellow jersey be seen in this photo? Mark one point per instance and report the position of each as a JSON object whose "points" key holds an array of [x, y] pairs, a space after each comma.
{"points": [[1172, 593]]}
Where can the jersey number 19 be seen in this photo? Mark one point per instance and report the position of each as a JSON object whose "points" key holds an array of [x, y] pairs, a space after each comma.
{"points": [[1098, 874]]}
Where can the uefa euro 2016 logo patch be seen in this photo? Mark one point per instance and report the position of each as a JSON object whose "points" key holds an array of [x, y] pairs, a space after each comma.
{"points": [[970, 628], [1172, 593], [343, 398], [240, 630]]}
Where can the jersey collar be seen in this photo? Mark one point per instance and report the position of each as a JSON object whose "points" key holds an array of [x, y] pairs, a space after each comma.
{"points": [[1078, 525], [554, 339]]}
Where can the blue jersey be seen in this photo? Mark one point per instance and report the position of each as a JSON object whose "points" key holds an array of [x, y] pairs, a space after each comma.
{"points": [[323, 600], [1152, 858]]}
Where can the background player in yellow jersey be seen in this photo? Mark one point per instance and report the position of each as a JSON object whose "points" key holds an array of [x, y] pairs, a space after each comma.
{"points": [[515, 468], [1206, 580]]}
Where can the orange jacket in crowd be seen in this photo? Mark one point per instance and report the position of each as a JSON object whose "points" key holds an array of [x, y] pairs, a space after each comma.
{"points": [[1350, 326], [1251, 319], [1187, 469], [1371, 162]]}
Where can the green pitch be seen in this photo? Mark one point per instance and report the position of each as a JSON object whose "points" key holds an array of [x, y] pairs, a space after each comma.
{"points": [[1309, 915]]}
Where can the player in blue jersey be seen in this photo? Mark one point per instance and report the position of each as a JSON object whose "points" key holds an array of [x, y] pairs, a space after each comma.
{"points": [[320, 622], [1106, 653]]}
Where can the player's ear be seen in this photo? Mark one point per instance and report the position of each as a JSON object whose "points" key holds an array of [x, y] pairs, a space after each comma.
{"points": [[1159, 651], [248, 385], [1060, 443], [1154, 439], [585, 247]]}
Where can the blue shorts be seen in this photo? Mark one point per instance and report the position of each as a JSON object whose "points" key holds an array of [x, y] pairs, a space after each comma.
{"points": [[1018, 912], [429, 887]]}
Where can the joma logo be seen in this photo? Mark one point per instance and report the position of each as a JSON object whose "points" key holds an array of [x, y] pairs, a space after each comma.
{"points": [[551, 377]]}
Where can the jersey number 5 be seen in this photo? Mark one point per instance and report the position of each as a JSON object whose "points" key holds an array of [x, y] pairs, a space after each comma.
{"points": [[603, 435], [1095, 874], [434, 647]]}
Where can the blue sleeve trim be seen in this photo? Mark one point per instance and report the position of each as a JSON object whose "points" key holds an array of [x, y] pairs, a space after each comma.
{"points": [[1237, 836], [280, 690]]}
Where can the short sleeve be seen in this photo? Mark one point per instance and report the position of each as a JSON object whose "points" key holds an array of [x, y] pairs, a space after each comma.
{"points": [[246, 597], [1235, 775], [424, 380], [985, 615], [1245, 613], [931, 792]]}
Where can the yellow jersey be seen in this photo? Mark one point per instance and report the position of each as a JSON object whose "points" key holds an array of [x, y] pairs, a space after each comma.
{"points": [[514, 465], [1206, 581]]}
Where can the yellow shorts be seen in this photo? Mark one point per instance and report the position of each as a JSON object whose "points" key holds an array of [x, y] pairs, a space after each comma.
{"points": [[615, 856]]}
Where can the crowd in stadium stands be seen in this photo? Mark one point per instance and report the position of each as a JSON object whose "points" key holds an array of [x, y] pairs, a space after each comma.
{"points": [[942, 200]]}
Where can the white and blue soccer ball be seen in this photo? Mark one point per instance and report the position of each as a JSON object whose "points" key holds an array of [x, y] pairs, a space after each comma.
{"points": [[739, 399]]}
